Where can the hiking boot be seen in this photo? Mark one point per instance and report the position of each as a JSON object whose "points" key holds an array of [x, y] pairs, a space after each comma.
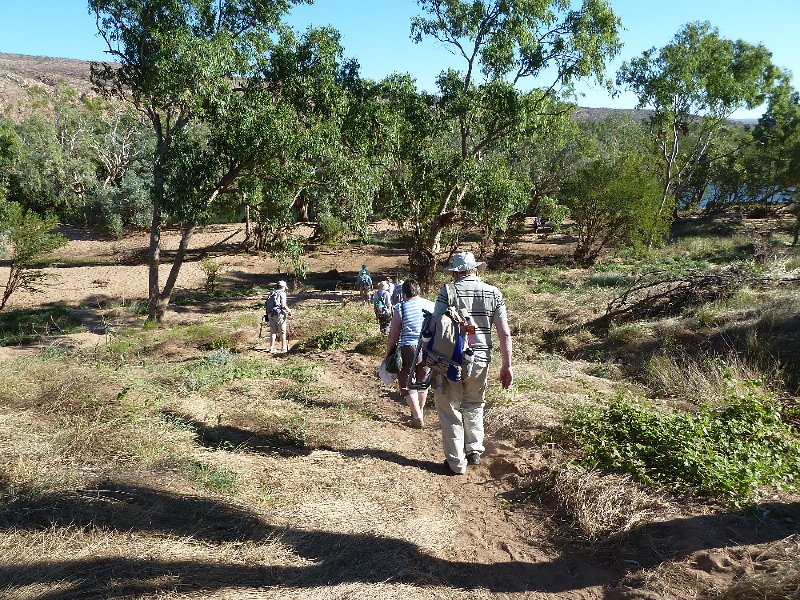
{"points": [[448, 470], [473, 458], [417, 423]]}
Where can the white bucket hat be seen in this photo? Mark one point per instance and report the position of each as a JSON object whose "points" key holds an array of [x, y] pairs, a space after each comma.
{"points": [[463, 261], [282, 284], [383, 285]]}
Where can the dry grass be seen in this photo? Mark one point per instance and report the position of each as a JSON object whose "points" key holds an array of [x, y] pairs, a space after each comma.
{"points": [[776, 577], [605, 506], [707, 378], [521, 421]]}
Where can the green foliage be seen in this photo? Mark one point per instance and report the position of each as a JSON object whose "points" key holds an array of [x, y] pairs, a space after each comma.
{"points": [[730, 450], [372, 346], [213, 273], [609, 278], [289, 256], [615, 195], [440, 145], [549, 208], [330, 230], [20, 326], [220, 367], [31, 241], [330, 339], [694, 84], [299, 372]]}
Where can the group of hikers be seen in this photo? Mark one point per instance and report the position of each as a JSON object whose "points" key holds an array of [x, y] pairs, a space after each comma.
{"points": [[445, 345]]}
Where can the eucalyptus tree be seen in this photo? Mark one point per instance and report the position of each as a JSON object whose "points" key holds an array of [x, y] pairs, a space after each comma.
{"points": [[776, 154], [320, 165], [695, 82], [503, 44], [614, 194], [192, 68]]}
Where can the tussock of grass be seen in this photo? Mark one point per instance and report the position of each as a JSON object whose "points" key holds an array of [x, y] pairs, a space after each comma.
{"points": [[601, 506], [520, 421], [629, 333], [374, 345], [609, 279], [777, 575], [709, 378]]}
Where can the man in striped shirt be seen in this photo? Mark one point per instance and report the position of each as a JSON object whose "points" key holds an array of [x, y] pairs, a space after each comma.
{"points": [[460, 403]]}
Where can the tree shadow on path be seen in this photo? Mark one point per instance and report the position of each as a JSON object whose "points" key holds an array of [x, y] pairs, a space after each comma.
{"points": [[335, 558]]}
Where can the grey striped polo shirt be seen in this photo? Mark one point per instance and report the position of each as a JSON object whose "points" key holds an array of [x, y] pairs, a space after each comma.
{"points": [[486, 305]]}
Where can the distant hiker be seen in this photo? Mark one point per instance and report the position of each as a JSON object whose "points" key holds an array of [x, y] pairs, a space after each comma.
{"points": [[397, 293], [382, 305], [278, 313], [405, 329], [364, 283], [459, 404], [537, 223]]}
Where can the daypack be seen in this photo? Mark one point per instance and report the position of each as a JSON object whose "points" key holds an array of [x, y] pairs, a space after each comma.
{"points": [[379, 305], [272, 305], [445, 341], [364, 281]]}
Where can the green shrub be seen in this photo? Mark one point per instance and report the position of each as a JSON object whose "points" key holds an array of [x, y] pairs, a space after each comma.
{"points": [[729, 451], [213, 273], [372, 346], [330, 339], [330, 230]]}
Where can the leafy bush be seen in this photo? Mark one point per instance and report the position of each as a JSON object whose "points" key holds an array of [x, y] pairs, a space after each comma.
{"points": [[330, 339], [330, 230], [372, 346], [213, 273], [29, 236], [728, 451]]}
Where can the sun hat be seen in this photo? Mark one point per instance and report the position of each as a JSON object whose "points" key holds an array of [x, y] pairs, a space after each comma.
{"points": [[463, 261], [383, 285], [282, 284]]}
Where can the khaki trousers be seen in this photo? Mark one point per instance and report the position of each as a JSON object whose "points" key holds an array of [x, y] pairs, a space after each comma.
{"points": [[460, 408]]}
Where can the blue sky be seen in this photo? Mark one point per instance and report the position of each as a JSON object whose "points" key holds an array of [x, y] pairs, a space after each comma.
{"points": [[376, 33]]}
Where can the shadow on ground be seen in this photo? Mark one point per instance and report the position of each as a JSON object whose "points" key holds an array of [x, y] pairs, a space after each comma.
{"points": [[334, 558]]}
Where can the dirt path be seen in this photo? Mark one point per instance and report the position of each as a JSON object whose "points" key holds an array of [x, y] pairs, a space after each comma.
{"points": [[454, 530]]}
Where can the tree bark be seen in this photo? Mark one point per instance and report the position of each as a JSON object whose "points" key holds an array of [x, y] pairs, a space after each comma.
{"points": [[172, 278]]}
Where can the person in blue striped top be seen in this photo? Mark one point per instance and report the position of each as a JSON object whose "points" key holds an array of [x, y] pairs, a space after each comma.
{"points": [[404, 330]]}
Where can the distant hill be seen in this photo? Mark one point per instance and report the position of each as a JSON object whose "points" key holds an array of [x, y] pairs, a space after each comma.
{"points": [[19, 72]]}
